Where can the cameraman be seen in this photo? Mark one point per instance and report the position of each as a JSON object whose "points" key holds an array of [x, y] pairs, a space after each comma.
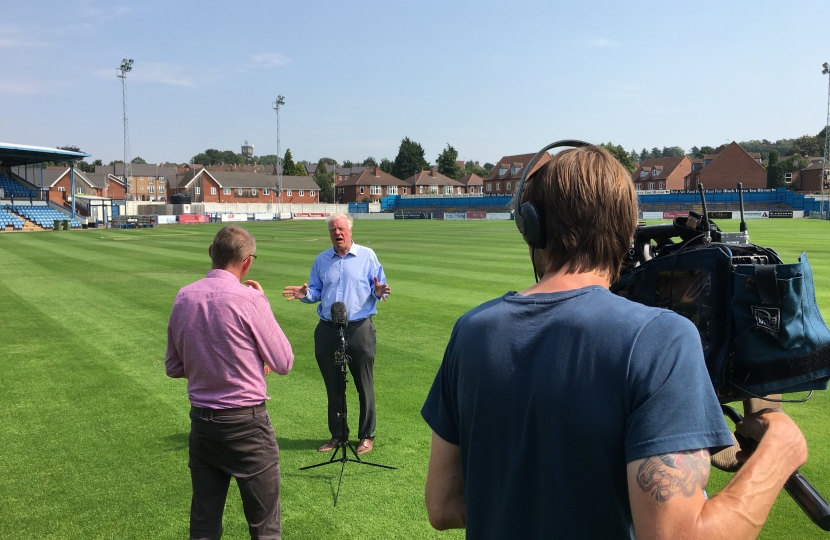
{"points": [[566, 411]]}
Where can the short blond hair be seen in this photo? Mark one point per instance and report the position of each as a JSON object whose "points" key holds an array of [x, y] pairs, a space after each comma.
{"points": [[590, 210]]}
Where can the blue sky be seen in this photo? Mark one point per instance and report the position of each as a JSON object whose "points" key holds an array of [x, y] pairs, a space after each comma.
{"points": [[490, 78]]}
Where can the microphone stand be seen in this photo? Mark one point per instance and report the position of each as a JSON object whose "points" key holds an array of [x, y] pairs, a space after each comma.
{"points": [[342, 359]]}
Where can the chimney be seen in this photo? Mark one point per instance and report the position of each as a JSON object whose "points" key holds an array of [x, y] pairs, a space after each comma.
{"points": [[432, 172], [377, 171]]}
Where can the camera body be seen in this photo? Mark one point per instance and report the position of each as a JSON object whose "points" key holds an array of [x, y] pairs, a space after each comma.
{"points": [[758, 320]]}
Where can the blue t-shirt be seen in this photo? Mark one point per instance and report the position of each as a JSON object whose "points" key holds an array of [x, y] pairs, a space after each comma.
{"points": [[550, 395]]}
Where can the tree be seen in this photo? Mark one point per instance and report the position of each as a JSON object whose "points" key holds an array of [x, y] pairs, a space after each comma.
{"points": [[386, 166], [472, 168], [328, 161], [85, 167], [111, 163], [622, 156], [673, 151], [325, 180], [71, 148], [644, 155], [299, 170], [288, 163], [269, 159], [488, 167], [447, 163], [807, 146], [369, 162], [410, 159], [775, 172], [348, 164], [97, 162], [139, 160], [656, 153], [634, 155]]}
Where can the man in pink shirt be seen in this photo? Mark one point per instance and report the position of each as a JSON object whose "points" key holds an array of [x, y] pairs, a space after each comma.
{"points": [[223, 338]]}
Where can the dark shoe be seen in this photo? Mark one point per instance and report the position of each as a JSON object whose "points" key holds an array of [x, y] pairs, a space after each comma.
{"points": [[364, 446], [329, 446]]}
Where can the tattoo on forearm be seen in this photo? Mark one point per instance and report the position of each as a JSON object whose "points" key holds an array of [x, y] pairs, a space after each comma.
{"points": [[666, 475]]}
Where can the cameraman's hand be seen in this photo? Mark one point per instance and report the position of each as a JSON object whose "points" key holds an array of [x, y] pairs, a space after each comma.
{"points": [[774, 427]]}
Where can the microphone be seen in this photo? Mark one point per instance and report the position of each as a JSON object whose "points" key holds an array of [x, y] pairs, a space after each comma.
{"points": [[338, 315]]}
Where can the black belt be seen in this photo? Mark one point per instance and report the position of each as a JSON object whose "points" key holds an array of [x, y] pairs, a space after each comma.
{"points": [[350, 323], [205, 412]]}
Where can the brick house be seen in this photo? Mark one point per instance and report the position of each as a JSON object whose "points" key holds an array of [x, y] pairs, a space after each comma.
{"points": [[372, 184], [661, 173], [505, 176], [58, 182], [148, 182], [341, 173], [433, 182], [808, 179], [233, 187], [723, 169], [473, 183]]}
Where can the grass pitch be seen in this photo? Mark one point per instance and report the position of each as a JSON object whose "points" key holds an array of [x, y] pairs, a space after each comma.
{"points": [[94, 435]]}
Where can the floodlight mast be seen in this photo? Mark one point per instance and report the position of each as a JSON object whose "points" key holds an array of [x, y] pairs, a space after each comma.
{"points": [[276, 106], [825, 170], [121, 73]]}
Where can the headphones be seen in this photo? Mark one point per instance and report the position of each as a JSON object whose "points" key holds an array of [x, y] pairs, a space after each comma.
{"points": [[530, 216]]}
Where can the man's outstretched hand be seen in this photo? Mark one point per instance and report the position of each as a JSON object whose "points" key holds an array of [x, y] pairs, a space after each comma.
{"points": [[381, 289], [293, 292]]}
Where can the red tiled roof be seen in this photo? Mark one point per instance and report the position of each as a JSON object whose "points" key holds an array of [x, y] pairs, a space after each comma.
{"points": [[372, 177]]}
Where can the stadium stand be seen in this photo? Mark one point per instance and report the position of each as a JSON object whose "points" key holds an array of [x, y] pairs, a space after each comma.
{"points": [[43, 216], [7, 220], [13, 189]]}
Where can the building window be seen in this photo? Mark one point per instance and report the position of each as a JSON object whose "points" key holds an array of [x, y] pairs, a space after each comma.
{"points": [[489, 187], [79, 189], [655, 172], [239, 192], [513, 170], [226, 191], [149, 179], [391, 190], [459, 191], [266, 191], [197, 190], [508, 186], [288, 192], [152, 189], [498, 186], [161, 189], [302, 192], [643, 174], [61, 189], [212, 191], [375, 190], [404, 190], [447, 190], [788, 177], [253, 192], [637, 187], [660, 185], [311, 193], [502, 171], [651, 186]]}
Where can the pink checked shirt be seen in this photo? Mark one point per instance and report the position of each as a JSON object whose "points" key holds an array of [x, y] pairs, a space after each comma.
{"points": [[219, 335]]}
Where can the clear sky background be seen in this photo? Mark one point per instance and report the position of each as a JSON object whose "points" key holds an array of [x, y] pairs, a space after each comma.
{"points": [[491, 78]]}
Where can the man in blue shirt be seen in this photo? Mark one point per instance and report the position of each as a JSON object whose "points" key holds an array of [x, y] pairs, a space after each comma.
{"points": [[564, 411], [351, 274]]}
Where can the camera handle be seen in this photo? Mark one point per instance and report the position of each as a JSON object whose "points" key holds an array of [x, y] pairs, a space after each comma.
{"points": [[802, 491]]}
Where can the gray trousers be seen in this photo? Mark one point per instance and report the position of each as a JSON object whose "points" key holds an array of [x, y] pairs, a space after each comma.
{"points": [[361, 341], [241, 447]]}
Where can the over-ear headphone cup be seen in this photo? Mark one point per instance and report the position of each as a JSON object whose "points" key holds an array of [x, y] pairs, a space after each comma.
{"points": [[533, 222]]}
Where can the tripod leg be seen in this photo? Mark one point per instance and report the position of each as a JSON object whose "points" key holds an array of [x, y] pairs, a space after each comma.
{"points": [[342, 467]]}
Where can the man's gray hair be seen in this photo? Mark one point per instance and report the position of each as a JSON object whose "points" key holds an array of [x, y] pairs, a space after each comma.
{"points": [[231, 245], [334, 217]]}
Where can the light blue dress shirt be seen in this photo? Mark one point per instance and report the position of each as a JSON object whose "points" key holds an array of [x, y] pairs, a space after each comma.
{"points": [[349, 279]]}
